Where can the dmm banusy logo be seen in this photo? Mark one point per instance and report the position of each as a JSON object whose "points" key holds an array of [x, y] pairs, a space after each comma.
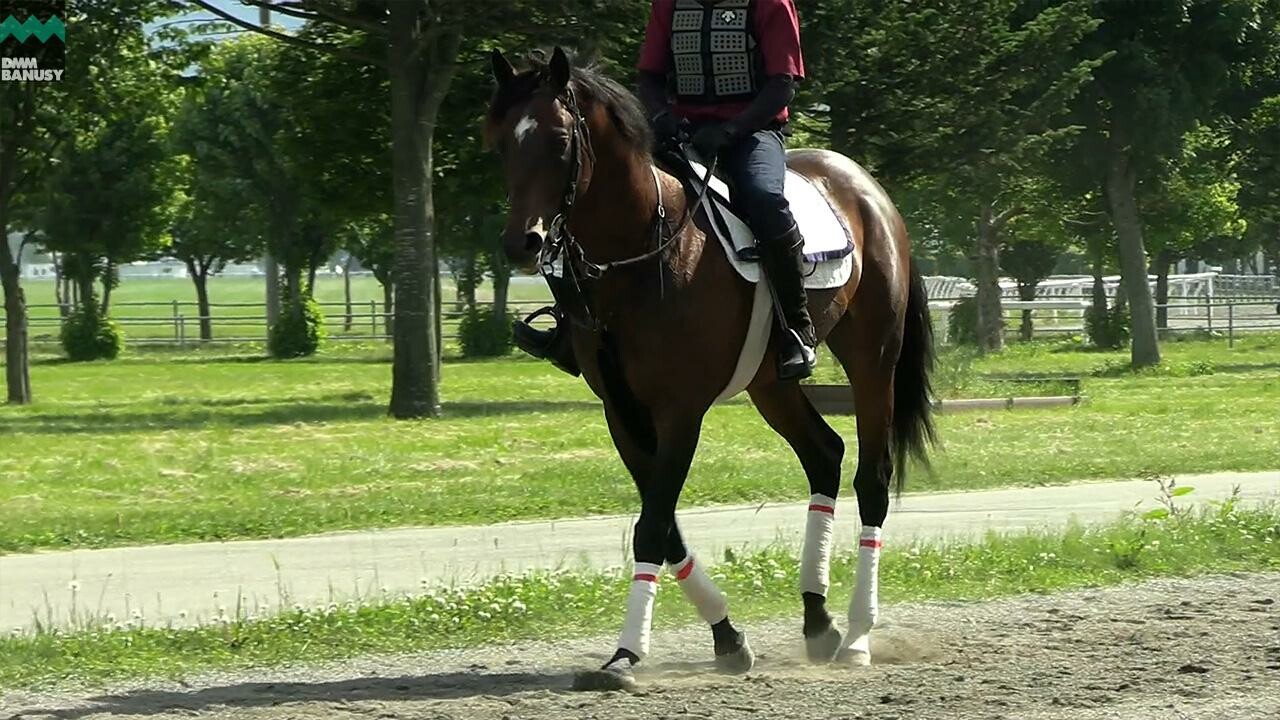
{"points": [[33, 39]]}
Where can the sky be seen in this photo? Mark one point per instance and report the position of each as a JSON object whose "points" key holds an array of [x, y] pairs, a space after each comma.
{"points": [[244, 12]]}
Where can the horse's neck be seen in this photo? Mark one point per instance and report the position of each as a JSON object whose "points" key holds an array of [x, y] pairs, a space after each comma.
{"points": [[619, 207]]}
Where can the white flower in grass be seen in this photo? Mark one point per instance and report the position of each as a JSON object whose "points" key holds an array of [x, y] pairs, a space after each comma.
{"points": [[518, 607], [495, 607], [779, 575], [756, 584], [483, 615], [297, 607], [434, 618]]}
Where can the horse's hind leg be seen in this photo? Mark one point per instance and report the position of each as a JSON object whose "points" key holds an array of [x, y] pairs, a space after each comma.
{"points": [[869, 354], [820, 450]]}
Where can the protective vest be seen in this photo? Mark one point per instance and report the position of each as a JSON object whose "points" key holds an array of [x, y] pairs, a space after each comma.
{"points": [[716, 56]]}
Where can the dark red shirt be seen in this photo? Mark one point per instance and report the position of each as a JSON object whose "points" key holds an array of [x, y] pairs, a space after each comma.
{"points": [[776, 27]]}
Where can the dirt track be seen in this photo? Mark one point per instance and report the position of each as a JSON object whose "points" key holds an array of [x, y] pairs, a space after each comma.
{"points": [[1207, 648]]}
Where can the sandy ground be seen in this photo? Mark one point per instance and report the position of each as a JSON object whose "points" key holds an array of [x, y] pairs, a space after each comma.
{"points": [[1171, 649]]}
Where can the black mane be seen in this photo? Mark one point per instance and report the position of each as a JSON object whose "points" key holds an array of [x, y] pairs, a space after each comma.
{"points": [[591, 87]]}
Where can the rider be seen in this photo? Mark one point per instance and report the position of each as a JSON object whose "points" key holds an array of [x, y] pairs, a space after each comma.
{"points": [[732, 66]]}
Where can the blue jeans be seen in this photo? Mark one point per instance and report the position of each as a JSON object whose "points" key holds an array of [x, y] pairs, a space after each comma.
{"points": [[757, 167]]}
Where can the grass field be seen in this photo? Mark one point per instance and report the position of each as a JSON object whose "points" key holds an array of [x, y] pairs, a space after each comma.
{"points": [[161, 447], [557, 605]]}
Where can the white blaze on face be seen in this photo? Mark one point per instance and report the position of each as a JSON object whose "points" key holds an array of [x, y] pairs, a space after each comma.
{"points": [[525, 128]]}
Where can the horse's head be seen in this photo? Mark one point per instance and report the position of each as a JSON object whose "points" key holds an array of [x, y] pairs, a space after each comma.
{"points": [[532, 126]]}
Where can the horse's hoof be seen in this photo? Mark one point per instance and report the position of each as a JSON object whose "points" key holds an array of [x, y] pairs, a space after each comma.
{"points": [[737, 662], [823, 647], [605, 679], [854, 658]]}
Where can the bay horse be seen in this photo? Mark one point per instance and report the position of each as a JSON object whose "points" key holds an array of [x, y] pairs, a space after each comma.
{"points": [[659, 315]]}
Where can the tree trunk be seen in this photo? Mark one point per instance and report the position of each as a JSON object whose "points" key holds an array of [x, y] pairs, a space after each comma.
{"points": [[467, 281], [200, 278], [108, 282], [17, 373], [987, 272], [292, 285], [1026, 292], [1163, 260], [346, 291], [388, 308], [421, 70], [501, 282], [1144, 346], [85, 283], [272, 271]]}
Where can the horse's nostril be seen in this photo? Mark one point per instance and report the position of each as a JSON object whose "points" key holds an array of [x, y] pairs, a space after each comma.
{"points": [[533, 241]]}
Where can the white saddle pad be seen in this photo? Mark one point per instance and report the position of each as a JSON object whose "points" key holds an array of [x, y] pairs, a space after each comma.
{"points": [[828, 246], [826, 238]]}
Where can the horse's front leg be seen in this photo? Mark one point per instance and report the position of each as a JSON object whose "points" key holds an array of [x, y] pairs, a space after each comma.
{"points": [[659, 477]]}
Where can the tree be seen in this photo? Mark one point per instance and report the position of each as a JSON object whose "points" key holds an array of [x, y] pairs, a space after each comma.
{"points": [[32, 127], [110, 193], [1190, 205], [968, 122], [1258, 144], [420, 44], [1171, 63], [212, 227]]}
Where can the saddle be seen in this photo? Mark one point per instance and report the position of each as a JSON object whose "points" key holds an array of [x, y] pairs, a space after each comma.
{"points": [[828, 241]]}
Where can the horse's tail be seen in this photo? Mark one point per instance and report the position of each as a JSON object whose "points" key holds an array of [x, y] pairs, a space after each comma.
{"points": [[913, 431]]}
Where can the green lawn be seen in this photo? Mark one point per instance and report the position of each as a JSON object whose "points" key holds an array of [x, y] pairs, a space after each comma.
{"points": [[556, 605], [162, 447]]}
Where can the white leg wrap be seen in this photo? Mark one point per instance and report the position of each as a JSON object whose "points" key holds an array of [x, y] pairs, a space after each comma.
{"points": [[864, 607], [815, 559], [701, 591], [639, 620]]}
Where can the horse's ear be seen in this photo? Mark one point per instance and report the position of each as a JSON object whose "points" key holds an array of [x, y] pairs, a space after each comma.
{"points": [[503, 72], [559, 70]]}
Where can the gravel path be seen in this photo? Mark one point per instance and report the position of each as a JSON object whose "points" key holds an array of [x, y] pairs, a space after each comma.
{"points": [[1171, 649], [166, 582]]}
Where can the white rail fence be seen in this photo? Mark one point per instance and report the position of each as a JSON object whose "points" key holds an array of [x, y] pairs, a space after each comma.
{"points": [[1205, 302]]}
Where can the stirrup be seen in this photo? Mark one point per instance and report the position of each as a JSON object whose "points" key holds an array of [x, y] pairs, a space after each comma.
{"points": [[552, 345], [796, 359], [533, 341]]}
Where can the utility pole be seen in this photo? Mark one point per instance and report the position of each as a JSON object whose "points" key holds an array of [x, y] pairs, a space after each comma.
{"points": [[268, 261]]}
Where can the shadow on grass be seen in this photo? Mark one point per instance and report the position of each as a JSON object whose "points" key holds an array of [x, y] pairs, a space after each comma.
{"points": [[442, 686], [205, 413]]}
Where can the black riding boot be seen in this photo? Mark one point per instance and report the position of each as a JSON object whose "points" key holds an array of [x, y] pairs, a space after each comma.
{"points": [[553, 344], [784, 269]]}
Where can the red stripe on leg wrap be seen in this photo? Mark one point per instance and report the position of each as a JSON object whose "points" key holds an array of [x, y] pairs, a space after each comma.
{"points": [[646, 577], [869, 543], [684, 572], [822, 508]]}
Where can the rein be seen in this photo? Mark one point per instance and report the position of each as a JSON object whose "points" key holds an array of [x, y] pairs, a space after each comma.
{"points": [[561, 241]]}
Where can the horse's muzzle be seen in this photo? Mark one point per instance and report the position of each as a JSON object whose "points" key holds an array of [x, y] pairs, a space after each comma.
{"points": [[522, 249]]}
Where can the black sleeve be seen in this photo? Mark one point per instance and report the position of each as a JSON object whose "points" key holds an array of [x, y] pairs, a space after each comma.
{"points": [[777, 93], [653, 93]]}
